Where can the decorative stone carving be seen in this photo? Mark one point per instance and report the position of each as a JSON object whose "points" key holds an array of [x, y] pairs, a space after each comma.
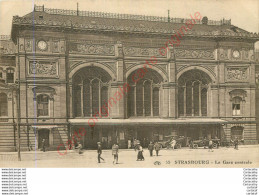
{"points": [[238, 93], [191, 53], [135, 51], [91, 49], [28, 45], [43, 68], [223, 54], [236, 74], [210, 68], [55, 46]]}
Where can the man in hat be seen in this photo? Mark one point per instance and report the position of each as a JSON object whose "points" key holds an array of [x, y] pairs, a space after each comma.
{"points": [[151, 148], [99, 152], [157, 148], [115, 151], [43, 145], [236, 143]]}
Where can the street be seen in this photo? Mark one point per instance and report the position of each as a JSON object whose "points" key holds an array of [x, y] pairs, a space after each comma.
{"points": [[246, 156]]}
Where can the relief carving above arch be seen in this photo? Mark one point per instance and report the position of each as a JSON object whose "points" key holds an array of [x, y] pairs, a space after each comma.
{"points": [[109, 66], [211, 69]]}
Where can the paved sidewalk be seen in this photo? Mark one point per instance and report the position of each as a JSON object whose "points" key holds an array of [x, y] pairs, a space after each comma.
{"points": [[246, 156]]}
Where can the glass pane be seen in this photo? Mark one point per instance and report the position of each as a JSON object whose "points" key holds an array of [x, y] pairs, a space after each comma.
{"points": [[156, 102], [104, 101], [95, 97], [204, 102], [181, 101], [189, 98], [196, 99], [139, 93], [87, 103], [131, 103], [77, 101], [147, 98]]}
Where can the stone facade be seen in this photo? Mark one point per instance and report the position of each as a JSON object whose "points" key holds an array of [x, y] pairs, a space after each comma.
{"points": [[67, 70]]}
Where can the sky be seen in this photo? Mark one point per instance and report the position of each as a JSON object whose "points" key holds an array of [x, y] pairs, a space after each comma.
{"points": [[243, 13]]}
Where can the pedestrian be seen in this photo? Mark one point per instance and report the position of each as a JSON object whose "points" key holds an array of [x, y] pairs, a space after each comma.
{"points": [[210, 145], [99, 152], [173, 143], [204, 142], [151, 148], [79, 147], [157, 148], [43, 145], [135, 144], [129, 144], [140, 153], [191, 143], [115, 151], [236, 143]]}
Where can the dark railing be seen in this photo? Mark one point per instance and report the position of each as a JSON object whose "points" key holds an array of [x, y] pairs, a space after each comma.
{"points": [[122, 16]]}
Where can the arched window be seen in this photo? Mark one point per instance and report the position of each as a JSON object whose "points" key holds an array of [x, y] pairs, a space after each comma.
{"points": [[90, 92], [143, 98], [9, 75], [3, 105], [192, 93], [43, 105]]}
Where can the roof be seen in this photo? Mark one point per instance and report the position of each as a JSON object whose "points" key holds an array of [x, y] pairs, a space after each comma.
{"points": [[72, 19]]}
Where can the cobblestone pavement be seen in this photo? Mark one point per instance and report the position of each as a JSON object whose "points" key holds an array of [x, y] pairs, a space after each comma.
{"points": [[246, 156]]}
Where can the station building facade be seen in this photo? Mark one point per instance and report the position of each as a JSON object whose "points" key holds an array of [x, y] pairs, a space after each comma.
{"points": [[120, 78]]}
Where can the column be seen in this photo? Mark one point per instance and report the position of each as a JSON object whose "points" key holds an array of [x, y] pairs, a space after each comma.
{"points": [[151, 103], [82, 99], [192, 102], [71, 100], [91, 99], [143, 98], [184, 100], [135, 100], [199, 99]]}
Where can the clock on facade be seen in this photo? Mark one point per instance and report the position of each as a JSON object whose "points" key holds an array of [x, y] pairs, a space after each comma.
{"points": [[42, 45], [236, 54]]}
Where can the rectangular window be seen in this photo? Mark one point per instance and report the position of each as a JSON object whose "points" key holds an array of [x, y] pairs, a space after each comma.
{"points": [[43, 105], [10, 76], [236, 109]]}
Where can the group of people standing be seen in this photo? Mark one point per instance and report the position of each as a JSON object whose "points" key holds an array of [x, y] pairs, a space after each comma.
{"points": [[151, 148]]}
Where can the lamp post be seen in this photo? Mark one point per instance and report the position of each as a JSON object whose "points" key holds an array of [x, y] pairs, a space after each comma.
{"points": [[18, 125]]}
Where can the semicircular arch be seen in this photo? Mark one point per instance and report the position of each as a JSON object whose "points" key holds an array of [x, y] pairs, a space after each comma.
{"points": [[140, 66], [179, 74], [81, 65]]}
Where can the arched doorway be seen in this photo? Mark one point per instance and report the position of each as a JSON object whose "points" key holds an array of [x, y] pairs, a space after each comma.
{"points": [[143, 99], [90, 91], [193, 87], [43, 134]]}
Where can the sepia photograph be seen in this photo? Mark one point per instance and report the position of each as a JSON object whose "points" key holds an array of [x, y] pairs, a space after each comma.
{"points": [[129, 84]]}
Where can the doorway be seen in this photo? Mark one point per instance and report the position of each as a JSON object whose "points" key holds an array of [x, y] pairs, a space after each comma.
{"points": [[43, 134]]}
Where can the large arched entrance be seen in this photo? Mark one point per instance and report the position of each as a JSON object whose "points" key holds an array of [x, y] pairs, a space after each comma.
{"points": [[90, 91], [144, 97], [193, 87]]}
